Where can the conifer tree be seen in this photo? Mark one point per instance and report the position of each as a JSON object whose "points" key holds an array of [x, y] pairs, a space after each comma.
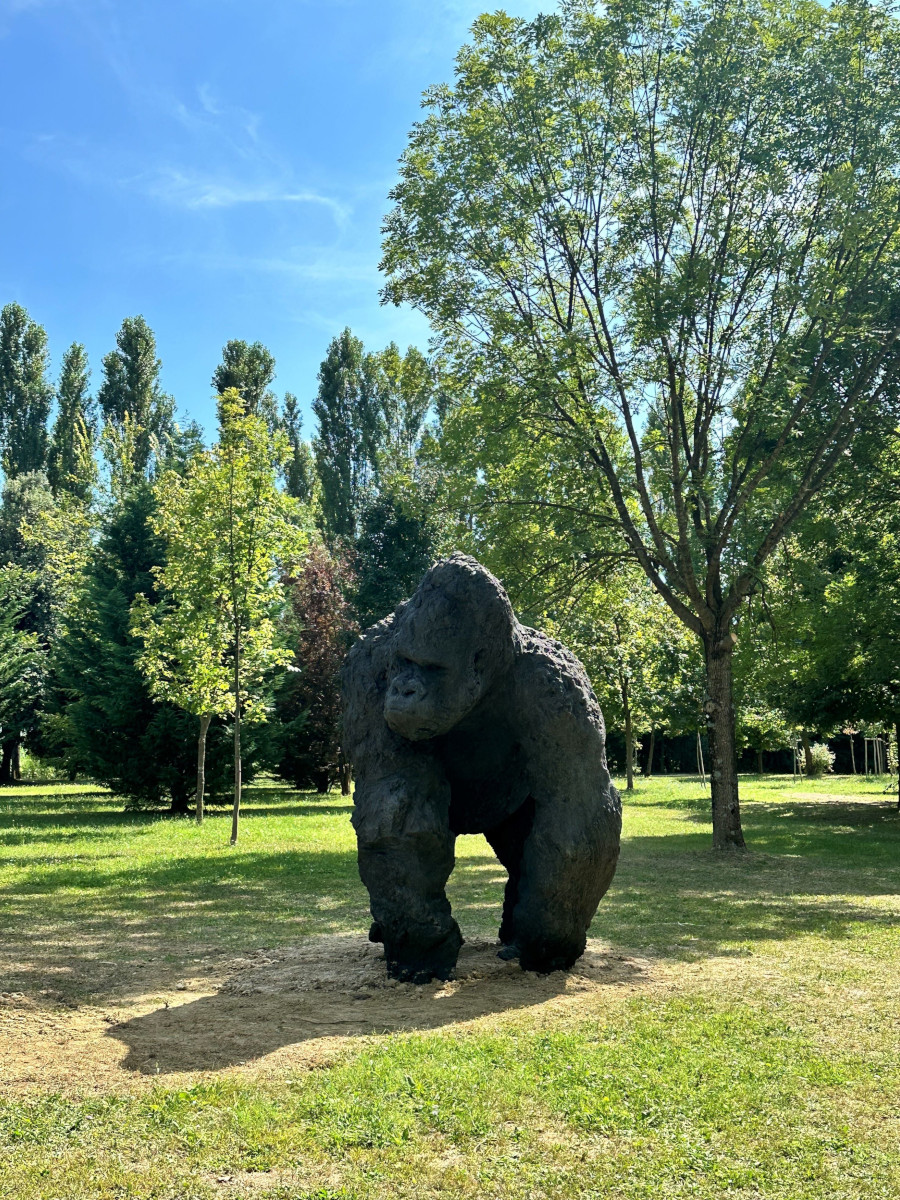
{"points": [[25, 392], [139, 416], [21, 668], [106, 723], [71, 466]]}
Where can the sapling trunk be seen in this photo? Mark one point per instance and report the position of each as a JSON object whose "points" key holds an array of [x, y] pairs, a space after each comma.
{"points": [[629, 740], [236, 810], [726, 812], [852, 754], [201, 766], [648, 769]]}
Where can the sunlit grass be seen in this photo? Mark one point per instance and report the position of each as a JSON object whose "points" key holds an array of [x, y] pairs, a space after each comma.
{"points": [[762, 1062]]}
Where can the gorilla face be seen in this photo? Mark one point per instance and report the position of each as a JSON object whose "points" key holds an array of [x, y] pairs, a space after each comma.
{"points": [[434, 681]]}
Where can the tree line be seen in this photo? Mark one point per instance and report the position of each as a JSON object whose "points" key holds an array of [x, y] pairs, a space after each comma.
{"points": [[659, 251], [173, 616]]}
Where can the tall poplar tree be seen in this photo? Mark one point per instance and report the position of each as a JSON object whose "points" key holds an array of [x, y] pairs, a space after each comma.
{"points": [[345, 445], [250, 368], [139, 416], [25, 392], [71, 466], [299, 469]]}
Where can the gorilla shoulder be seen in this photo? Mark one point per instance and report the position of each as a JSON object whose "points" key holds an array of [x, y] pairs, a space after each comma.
{"points": [[552, 687]]}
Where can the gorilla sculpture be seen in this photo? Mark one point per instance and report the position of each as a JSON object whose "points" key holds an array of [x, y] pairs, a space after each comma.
{"points": [[457, 719]]}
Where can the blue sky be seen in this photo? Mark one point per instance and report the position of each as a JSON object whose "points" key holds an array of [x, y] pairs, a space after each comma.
{"points": [[220, 166]]}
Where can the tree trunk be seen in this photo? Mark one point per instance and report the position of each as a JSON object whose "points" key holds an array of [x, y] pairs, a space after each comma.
{"points": [[629, 740], [759, 762], [10, 768], [236, 810], [897, 733], [719, 705], [345, 775], [807, 755], [852, 754], [201, 766], [648, 766]]}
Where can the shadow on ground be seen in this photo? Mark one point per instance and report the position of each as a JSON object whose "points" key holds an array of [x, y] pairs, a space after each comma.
{"points": [[337, 987]]}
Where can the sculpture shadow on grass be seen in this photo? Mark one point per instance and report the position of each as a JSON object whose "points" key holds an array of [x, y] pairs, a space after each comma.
{"points": [[336, 986]]}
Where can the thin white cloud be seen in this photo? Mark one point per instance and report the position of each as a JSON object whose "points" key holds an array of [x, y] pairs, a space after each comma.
{"points": [[335, 267], [195, 191], [174, 186]]}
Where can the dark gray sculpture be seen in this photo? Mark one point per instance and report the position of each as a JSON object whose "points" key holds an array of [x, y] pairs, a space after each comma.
{"points": [[457, 719]]}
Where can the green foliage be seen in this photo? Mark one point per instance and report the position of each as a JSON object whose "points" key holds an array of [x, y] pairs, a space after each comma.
{"points": [[71, 466], [22, 658], [250, 369], [25, 392], [225, 528], [668, 241], [300, 469], [138, 415], [346, 409], [107, 724], [401, 534], [821, 760]]}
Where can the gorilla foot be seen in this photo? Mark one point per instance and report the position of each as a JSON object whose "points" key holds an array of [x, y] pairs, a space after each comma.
{"points": [[545, 959], [508, 953], [375, 932], [426, 963]]}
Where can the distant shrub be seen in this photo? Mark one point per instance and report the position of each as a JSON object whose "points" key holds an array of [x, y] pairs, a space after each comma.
{"points": [[33, 770], [821, 760]]}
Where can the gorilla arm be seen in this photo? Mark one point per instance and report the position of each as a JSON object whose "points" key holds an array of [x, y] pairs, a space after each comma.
{"points": [[570, 855], [401, 807]]}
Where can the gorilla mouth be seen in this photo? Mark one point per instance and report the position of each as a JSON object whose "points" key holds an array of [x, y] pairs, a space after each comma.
{"points": [[410, 728]]}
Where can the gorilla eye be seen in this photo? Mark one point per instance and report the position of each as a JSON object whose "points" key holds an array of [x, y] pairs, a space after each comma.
{"points": [[422, 663]]}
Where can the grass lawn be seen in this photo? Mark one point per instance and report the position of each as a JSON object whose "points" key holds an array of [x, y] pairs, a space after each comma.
{"points": [[742, 1043]]}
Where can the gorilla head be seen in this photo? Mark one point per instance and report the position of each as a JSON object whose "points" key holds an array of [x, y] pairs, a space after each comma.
{"points": [[450, 643]]}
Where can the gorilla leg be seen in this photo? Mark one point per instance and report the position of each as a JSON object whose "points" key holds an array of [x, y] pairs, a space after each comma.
{"points": [[405, 858], [507, 840], [568, 863]]}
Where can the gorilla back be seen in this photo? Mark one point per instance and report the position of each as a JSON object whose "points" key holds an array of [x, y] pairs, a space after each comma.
{"points": [[457, 719]]}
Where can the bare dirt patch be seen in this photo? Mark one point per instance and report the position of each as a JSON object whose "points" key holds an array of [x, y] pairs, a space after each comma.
{"points": [[277, 1009]]}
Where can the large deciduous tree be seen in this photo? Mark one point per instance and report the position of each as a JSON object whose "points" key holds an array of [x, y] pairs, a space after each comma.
{"points": [[666, 237]]}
